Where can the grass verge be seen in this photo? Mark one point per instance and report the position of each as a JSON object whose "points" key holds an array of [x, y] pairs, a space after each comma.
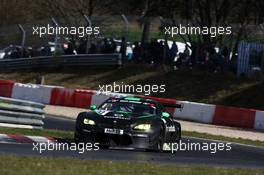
{"points": [[69, 134], [42, 165], [222, 138], [37, 132]]}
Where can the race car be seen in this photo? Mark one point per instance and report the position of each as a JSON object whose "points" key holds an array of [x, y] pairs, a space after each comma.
{"points": [[128, 122]]}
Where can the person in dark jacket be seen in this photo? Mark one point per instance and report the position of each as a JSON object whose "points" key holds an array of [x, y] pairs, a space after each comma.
{"points": [[112, 46], [137, 53], [123, 49], [174, 49]]}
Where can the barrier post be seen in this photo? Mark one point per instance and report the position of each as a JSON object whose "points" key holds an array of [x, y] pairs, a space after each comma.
{"points": [[23, 39], [56, 35]]}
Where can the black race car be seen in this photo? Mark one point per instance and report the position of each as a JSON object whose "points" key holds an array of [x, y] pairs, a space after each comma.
{"points": [[128, 121]]}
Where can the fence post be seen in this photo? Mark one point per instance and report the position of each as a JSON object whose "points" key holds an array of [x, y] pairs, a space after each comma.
{"points": [[127, 25], [23, 39], [56, 35], [88, 20], [163, 23]]}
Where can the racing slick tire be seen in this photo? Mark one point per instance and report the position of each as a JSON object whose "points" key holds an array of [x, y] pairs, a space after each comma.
{"points": [[157, 147], [178, 137], [78, 138]]}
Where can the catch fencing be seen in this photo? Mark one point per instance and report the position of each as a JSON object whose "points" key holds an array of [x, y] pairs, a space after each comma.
{"points": [[250, 55]]}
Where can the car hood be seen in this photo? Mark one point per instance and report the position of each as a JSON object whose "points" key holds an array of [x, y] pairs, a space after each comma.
{"points": [[119, 117]]}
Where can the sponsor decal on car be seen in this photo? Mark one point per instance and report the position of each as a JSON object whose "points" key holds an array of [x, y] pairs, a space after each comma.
{"points": [[113, 131]]}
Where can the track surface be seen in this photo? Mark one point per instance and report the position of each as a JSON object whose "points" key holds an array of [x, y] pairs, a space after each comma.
{"points": [[240, 155]]}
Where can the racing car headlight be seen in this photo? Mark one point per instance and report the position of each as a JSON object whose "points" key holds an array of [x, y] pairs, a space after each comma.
{"points": [[143, 127], [88, 122]]}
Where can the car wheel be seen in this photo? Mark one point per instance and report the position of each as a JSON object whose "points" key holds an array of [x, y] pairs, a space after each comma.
{"points": [[178, 138], [77, 137], [160, 143], [158, 147]]}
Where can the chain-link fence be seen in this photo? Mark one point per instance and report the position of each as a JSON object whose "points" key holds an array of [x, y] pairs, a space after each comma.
{"points": [[110, 26]]}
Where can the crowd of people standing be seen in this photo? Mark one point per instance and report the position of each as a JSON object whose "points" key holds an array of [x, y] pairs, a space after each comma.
{"points": [[155, 52]]}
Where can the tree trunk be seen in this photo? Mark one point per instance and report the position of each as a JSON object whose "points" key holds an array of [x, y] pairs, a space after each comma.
{"points": [[146, 31]]}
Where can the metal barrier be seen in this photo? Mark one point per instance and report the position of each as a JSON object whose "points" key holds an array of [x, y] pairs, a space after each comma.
{"points": [[249, 56], [20, 113], [61, 61]]}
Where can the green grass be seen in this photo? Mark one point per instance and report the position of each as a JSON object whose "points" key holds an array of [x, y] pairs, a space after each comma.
{"points": [[69, 134], [10, 165], [37, 132], [223, 138]]}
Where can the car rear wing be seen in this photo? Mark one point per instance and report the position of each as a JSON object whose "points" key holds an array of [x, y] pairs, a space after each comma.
{"points": [[169, 105]]}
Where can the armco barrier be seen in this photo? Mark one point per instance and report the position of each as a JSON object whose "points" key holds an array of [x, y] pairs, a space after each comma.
{"points": [[21, 113], [61, 96], [238, 117], [61, 61], [199, 112], [259, 120], [6, 88], [32, 92], [71, 97], [82, 97]]}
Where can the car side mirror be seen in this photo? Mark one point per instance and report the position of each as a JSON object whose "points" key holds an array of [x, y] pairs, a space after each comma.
{"points": [[165, 115], [93, 107]]}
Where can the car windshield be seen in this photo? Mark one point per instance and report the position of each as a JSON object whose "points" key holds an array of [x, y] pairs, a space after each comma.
{"points": [[134, 108]]}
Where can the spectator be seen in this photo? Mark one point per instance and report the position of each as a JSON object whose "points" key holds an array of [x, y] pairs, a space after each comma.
{"points": [[186, 52], [82, 47], [15, 53], [167, 55], [123, 49], [158, 52], [178, 63], [174, 49], [193, 56], [105, 46], [92, 49], [137, 53], [225, 59], [113, 46], [47, 50], [69, 50]]}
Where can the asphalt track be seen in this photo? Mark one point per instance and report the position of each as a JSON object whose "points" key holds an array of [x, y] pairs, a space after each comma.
{"points": [[242, 156]]}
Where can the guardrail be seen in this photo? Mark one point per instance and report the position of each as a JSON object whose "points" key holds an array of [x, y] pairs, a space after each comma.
{"points": [[21, 113], [61, 61]]}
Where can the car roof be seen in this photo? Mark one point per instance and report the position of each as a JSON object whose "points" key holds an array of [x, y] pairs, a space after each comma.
{"points": [[140, 99], [136, 99]]}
